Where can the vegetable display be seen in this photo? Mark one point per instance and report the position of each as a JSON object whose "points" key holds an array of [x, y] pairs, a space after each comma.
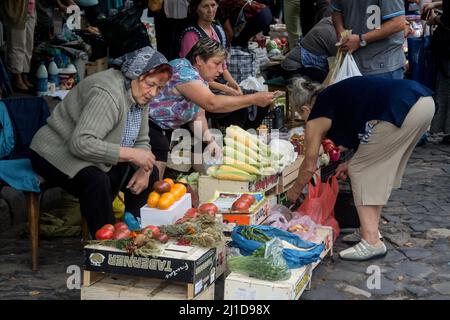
{"points": [[165, 193], [331, 150], [245, 157]]}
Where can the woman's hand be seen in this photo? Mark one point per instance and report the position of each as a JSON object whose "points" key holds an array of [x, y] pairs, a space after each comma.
{"points": [[139, 181], [142, 158], [293, 194], [263, 99], [342, 171], [232, 91], [237, 90], [431, 18], [430, 6]]}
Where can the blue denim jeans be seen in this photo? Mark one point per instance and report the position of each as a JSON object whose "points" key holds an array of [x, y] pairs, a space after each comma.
{"points": [[396, 74]]}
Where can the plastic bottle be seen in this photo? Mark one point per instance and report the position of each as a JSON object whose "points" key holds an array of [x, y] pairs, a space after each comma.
{"points": [[53, 74], [42, 80]]}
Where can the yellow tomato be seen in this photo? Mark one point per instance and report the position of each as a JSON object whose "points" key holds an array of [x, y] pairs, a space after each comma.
{"points": [[153, 199], [169, 181], [166, 200], [178, 190]]}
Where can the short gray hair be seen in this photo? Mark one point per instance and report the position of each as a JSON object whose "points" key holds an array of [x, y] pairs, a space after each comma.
{"points": [[302, 91]]}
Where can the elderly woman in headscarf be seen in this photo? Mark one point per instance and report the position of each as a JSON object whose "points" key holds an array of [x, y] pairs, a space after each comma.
{"points": [[96, 141]]}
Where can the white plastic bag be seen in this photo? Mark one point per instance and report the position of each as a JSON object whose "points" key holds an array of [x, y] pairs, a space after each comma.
{"points": [[348, 69], [253, 83]]}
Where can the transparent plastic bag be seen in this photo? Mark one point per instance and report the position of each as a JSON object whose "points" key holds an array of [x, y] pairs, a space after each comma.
{"points": [[303, 226], [279, 217], [266, 263]]}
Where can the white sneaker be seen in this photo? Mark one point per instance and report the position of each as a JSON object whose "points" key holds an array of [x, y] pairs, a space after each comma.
{"points": [[363, 251], [355, 237]]}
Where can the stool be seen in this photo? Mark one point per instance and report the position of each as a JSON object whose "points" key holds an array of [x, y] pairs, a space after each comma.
{"points": [[33, 211]]}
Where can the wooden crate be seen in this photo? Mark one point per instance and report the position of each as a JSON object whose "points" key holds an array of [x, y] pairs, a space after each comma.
{"points": [[101, 286], [207, 186], [96, 66], [289, 175]]}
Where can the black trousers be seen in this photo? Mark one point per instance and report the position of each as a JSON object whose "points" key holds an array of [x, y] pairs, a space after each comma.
{"points": [[96, 189]]}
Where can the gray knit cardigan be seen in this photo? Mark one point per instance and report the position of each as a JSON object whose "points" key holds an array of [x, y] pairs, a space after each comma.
{"points": [[86, 128]]}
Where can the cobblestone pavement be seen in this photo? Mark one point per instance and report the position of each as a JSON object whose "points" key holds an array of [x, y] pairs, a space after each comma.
{"points": [[416, 228]]}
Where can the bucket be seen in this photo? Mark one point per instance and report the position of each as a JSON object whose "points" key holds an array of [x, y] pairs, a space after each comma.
{"points": [[67, 77]]}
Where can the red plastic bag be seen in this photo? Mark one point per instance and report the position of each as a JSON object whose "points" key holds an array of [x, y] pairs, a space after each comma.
{"points": [[319, 203]]}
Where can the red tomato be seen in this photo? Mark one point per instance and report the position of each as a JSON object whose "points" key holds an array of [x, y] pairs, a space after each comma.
{"points": [[248, 197], [121, 234], [191, 213], [163, 238], [335, 155], [329, 148], [104, 234], [240, 205], [155, 231], [109, 227], [208, 208], [327, 141], [120, 226]]}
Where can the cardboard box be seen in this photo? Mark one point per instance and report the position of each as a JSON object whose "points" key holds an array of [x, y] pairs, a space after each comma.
{"points": [[207, 186], [123, 287], [157, 217], [240, 287], [187, 264], [257, 213]]}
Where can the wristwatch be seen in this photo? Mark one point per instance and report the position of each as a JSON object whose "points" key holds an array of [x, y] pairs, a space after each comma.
{"points": [[362, 42]]}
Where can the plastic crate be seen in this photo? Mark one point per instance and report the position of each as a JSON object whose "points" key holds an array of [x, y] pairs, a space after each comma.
{"points": [[329, 170], [274, 118]]}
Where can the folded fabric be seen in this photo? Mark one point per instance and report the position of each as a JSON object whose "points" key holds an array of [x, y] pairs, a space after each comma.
{"points": [[19, 174]]}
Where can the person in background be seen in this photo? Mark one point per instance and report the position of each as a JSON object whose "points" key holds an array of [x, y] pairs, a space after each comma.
{"points": [[169, 24], [310, 57], [45, 12], [292, 21], [441, 51], [382, 119], [187, 96], [378, 34], [311, 12], [96, 140], [91, 10], [203, 13], [242, 19], [19, 17]]}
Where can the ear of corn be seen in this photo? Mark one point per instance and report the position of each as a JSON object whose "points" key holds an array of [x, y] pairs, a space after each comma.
{"points": [[232, 143], [234, 175], [241, 165], [225, 168], [239, 132], [237, 155], [212, 170], [245, 140]]}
